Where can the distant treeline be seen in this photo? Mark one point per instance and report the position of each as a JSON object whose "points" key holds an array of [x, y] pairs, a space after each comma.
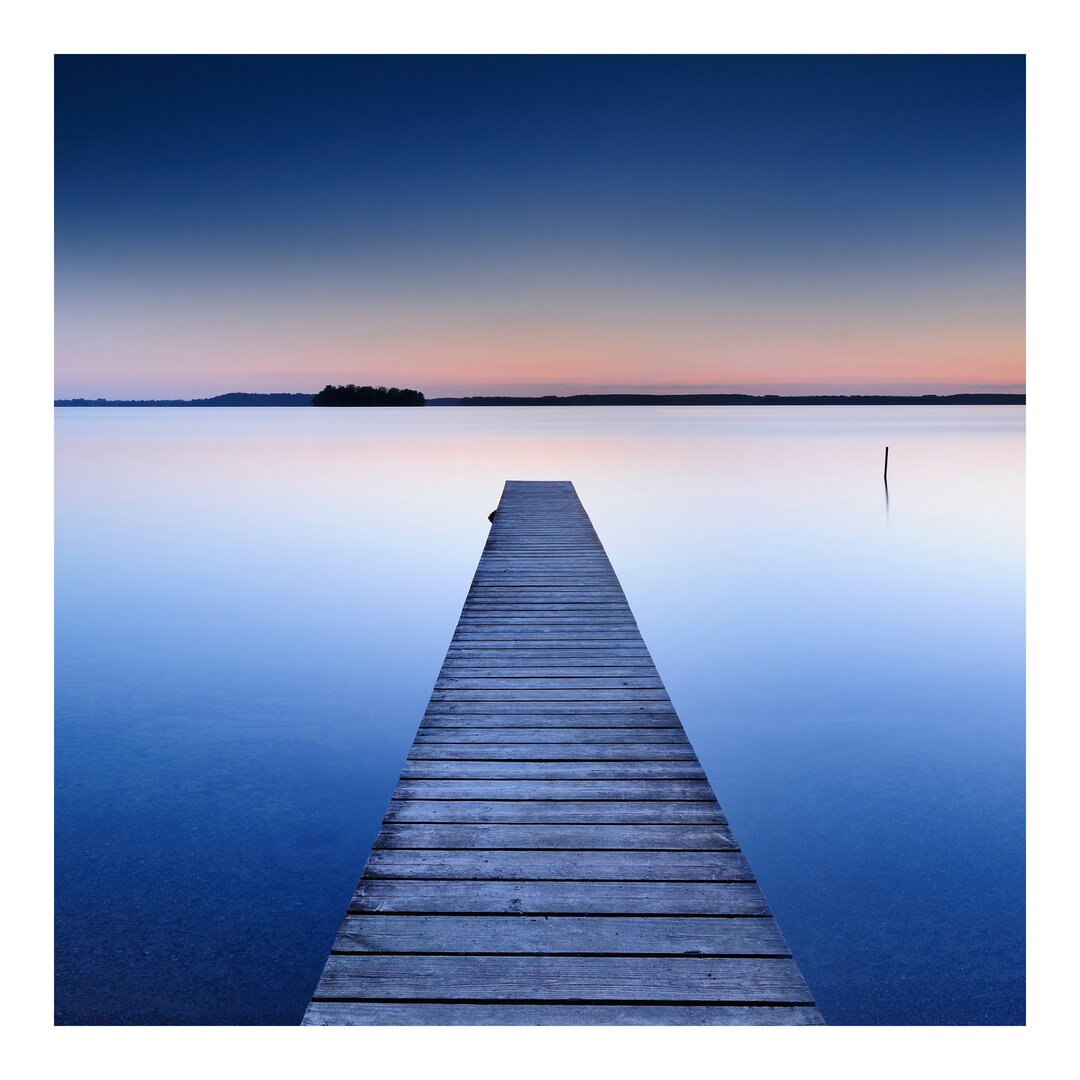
{"points": [[742, 399], [381, 395], [367, 395], [331, 395], [221, 399]]}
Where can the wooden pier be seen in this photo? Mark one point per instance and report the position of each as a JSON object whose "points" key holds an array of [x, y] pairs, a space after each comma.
{"points": [[553, 852]]}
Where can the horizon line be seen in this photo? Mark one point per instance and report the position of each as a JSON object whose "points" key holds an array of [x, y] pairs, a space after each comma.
{"points": [[571, 390], [517, 397]]}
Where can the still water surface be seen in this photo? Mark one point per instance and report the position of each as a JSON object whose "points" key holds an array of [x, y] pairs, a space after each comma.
{"points": [[252, 606]]}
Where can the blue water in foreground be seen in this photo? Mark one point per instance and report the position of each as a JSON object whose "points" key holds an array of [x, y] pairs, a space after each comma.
{"points": [[252, 605]]}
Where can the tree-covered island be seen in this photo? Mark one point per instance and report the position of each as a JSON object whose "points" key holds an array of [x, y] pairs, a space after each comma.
{"points": [[366, 395]]}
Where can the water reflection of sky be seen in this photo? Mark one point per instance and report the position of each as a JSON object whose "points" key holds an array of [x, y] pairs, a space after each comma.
{"points": [[253, 604]]}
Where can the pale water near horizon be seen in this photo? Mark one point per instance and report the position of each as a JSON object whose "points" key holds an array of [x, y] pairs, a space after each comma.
{"points": [[252, 606]]}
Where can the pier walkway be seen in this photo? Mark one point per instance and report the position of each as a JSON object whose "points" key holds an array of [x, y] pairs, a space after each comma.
{"points": [[553, 852]]}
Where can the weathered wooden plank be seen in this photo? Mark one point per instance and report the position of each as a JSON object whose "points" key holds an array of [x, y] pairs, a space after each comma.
{"points": [[631, 642], [555, 566], [555, 571], [374, 1013], [476, 864], [545, 629], [570, 837], [427, 897], [630, 790], [507, 650], [539, 790], [513, 553], [544, 605], [540, 597], [583, 602], [566, 612], [547, 578], [545, 632], [543, 669], [552, 770], [530, 618], [554, 810], [545, 559], [538, 538], [561, 934], [583, 632], [597, 595], [540, 556], [595, 753], [552, 736], [524, 583], [565, 708], [576, 601], [567, 978], [526, 660], [571, 626], [547, 744], [536, 544], [535, 634], [533, 608], [550, 727], [578, 684], [547, 694], [437, 722], [601, 617]]}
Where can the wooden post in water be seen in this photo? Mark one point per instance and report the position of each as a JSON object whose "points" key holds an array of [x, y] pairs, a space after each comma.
{"points": [[886, 466]]}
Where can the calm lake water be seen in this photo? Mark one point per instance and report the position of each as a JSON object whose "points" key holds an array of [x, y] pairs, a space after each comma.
{"points": [[252, 606]]}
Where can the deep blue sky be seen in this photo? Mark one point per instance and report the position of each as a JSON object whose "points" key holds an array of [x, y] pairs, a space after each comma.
{"points": [[492, 222]]}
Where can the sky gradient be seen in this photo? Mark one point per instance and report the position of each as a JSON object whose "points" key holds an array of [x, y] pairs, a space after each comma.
{"points": [[539, 224]]}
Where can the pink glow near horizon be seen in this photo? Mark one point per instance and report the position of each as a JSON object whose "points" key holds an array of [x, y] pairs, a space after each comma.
{"points": [[151, 351]]}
